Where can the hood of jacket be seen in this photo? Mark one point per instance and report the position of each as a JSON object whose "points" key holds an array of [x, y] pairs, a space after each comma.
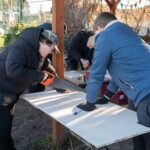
{"points": [[32, 35]]}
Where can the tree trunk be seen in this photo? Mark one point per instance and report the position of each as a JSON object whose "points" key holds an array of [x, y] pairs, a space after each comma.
{"points": [[112, 4]]}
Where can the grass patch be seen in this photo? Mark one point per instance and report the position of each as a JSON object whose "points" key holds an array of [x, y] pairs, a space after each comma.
{"points": [[46, 143]]}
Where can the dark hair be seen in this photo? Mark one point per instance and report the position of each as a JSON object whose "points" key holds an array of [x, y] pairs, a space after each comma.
{"points": [[44, 39], [103, 19]]}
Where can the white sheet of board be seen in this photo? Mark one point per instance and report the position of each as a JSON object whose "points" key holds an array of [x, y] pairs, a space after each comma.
{"points": [[77, 76], [107, 124]]}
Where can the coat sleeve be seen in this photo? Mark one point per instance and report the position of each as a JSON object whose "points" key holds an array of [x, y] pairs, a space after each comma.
{"points": [[16, 67], [101, 60], [74, 47]]}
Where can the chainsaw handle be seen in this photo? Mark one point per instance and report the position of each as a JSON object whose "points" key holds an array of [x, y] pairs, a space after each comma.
{"points": [[49, 79]]}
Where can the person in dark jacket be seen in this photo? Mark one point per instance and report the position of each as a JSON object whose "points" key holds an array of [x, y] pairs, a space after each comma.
{"points": [[40, 87], [78, 51], [20, 66]]}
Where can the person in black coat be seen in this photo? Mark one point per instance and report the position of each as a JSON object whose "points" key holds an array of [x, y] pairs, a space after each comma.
{"points": [[20, 66], [40, 87], [78, 51]]}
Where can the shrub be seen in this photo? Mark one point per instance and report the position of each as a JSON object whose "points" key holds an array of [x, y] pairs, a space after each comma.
{"points": [[1, 41], [14, 31]]}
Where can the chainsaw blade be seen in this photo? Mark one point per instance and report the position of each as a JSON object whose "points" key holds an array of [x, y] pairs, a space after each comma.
{"points": [[66, 85]]}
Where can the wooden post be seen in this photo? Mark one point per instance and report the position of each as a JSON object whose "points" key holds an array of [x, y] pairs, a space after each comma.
{"points": [[58, 59]]}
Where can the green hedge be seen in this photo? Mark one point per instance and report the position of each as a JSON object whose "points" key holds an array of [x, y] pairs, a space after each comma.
{"points": [[1, 41], [14, 31]]}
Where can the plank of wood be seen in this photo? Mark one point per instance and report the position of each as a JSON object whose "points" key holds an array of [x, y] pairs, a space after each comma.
{"points": [[109, 123]]}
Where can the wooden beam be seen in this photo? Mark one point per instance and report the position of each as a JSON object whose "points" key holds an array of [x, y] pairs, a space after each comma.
{"points": [[58, 27], [58, 59], [57, 131]]}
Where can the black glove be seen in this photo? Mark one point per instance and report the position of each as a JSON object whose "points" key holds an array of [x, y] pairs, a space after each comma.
{"points": [[106, 98], [102, 100], [108, 94], [87, 106], [60, 90]]}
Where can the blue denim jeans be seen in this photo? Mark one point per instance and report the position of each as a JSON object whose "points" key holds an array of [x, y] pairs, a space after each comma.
{"points": [[143, 114]]}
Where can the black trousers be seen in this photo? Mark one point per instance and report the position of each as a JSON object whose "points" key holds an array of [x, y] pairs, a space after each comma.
{"points": [[141, 142], [6, 142]]}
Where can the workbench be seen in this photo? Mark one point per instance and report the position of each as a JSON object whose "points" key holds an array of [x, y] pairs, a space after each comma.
{"points": [[105, 125], [77, 77]]}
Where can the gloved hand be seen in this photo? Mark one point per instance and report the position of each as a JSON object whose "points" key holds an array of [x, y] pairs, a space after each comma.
{"points": [[106, 98], [60, 90], [87, 106], [102, 100]]}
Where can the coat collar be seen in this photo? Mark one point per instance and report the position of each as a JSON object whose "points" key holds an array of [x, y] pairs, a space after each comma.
{"points": [[111, 23]]}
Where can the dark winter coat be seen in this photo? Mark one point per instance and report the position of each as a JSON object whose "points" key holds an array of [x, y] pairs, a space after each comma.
{"points": [[19, 66], [78, 46]]}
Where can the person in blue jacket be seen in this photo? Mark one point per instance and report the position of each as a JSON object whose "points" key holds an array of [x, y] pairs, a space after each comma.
{"points": [[21, 65], [126, 56]]}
